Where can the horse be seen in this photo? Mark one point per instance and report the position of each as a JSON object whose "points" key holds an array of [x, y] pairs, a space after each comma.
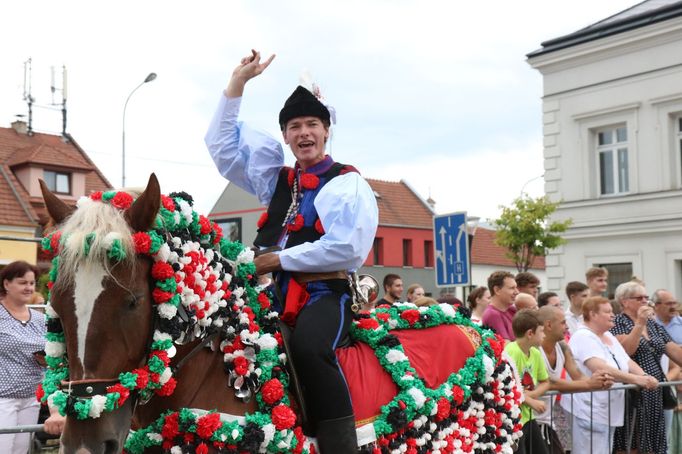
{"points": [[157, 323]]}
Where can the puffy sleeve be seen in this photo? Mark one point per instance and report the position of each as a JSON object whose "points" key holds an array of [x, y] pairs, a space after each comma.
{"points": [[348, 211], [247, 157]]}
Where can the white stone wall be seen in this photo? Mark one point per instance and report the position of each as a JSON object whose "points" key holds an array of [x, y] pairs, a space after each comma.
{"points": [[632, 79]]}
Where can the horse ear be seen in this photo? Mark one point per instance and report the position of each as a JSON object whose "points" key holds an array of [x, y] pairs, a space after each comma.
{"points": [[57, 209], [142, 213]]}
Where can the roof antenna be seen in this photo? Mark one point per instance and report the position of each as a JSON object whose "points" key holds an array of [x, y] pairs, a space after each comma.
{"points": [[27, 95], [53, 89]]}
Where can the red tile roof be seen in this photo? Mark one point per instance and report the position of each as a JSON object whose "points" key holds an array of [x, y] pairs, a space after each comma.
{"points": [[484, 251], [399, 205], [17, 149]]}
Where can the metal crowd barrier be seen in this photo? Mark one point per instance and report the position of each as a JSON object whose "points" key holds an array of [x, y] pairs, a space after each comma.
{"points": [[40, 427]]}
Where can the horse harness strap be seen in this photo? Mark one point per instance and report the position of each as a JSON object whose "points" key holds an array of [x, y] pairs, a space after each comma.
{"points": [[207, 340], [88, 387]]}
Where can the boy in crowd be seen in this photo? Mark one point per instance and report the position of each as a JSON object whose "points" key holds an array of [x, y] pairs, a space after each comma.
{"points": [[549, 299], [393, 290], [524, 353], [577, 292], [597, 280], [527, 283]]}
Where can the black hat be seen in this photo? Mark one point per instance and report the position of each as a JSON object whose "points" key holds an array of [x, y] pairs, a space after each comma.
{"points": [[302, 103]]}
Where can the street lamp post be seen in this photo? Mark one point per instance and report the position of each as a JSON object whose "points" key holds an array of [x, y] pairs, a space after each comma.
{"points": [[149, 78]]}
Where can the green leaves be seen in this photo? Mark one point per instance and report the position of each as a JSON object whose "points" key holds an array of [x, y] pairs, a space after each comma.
{"points": [[526, 230]]}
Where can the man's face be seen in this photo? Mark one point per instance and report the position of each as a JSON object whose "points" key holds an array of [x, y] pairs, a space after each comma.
{"points": [[507, 293], [306, 137], [666, 307], [531, 289], [395, 290], [558, 327], [598, 284], [577, 299]]}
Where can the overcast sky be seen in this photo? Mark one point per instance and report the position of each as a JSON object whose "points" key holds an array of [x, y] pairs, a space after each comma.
{"points": [[437, 93]]}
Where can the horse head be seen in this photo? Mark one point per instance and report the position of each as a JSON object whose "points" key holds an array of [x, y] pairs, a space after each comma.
{"points": [[101, 313]]}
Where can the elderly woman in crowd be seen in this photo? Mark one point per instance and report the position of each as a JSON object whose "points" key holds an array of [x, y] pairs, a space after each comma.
{"points": [[22, 340], [414, 292], [478, 300], [596, 415], [645, 341]]}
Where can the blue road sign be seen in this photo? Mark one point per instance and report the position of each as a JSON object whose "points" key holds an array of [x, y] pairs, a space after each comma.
{"points": [[452, 250]]}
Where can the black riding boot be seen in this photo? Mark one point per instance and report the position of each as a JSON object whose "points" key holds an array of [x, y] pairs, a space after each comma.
{"points": [[337, 436]]}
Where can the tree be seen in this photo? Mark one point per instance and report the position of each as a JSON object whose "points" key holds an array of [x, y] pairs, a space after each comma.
{"points": [[525, 230]]}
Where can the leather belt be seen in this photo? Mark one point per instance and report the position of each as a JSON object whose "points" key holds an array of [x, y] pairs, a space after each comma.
{"points": [[302, 277]]}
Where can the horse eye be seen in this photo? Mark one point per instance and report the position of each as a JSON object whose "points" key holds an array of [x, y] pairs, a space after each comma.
{"points": [[131, 301]]}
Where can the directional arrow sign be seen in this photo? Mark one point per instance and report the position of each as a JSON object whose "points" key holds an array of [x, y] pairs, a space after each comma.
{"points": [[451, 243]]}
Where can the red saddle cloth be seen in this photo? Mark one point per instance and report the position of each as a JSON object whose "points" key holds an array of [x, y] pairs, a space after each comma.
{"points": [[434, 353]]}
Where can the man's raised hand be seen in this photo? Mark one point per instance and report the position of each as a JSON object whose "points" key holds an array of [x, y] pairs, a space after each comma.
{"points": [[248, 68]]}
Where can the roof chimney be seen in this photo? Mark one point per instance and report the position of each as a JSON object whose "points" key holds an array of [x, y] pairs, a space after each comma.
{"points": [[432, 203], [20, 126]]}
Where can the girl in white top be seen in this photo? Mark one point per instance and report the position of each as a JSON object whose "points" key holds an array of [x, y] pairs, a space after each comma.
{"points": [[478, 300], [597, 414]]}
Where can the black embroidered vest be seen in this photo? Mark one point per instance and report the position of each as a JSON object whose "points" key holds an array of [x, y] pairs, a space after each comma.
{"points": [[270, 228]]}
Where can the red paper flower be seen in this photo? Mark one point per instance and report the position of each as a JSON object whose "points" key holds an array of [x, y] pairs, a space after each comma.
{"points": [[208, 424], [54, 241], [241, 365], [300, 439], [262, 220], [97, 195], [170, 426], [457, 395], [319, 227], [443, 409], [291, 176], [142, 378], [263, 300], [204, 225], [123, 393], [309, 181], [142, 242], [218, 233], [411, 316], [167, 203], [368, 323], [122, 200], [40, 392], [162, 271], [201, 449], [168, 388], [272, 391], [296, 224], [383, 316], [160, 296], [283, 417]]}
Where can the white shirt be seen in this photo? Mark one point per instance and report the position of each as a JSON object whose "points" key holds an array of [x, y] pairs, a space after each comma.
{"points": [[573, 321], [554, 374], [586, 345], [346, 205]]}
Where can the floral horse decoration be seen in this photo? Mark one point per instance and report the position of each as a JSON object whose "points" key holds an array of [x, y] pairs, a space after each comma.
{"points": [[154, 317]]}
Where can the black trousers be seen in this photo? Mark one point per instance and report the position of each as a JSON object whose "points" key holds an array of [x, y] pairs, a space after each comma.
{"points": [[532, 442], [320, 326]]}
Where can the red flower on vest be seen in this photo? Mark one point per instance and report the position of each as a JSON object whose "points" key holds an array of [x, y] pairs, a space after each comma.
{"points": [[291, 176], [262, 220], [309, 181], [296, 224], [319, 227]]}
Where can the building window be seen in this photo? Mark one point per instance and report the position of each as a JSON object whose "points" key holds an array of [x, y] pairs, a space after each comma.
{"points": [[378, 251], [232, 228], [428, 254], [407, 252], [59, 182], [612, 149], [618, 273]]}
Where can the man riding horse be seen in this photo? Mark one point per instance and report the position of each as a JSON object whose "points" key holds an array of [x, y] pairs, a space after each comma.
{"points": [[323, 215]]}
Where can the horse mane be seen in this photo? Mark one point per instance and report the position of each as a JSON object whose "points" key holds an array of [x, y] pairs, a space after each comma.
{"points": [[88, 234]]}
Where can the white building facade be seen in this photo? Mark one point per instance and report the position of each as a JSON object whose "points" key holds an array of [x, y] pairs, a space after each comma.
{"points": [[612, 127]]}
